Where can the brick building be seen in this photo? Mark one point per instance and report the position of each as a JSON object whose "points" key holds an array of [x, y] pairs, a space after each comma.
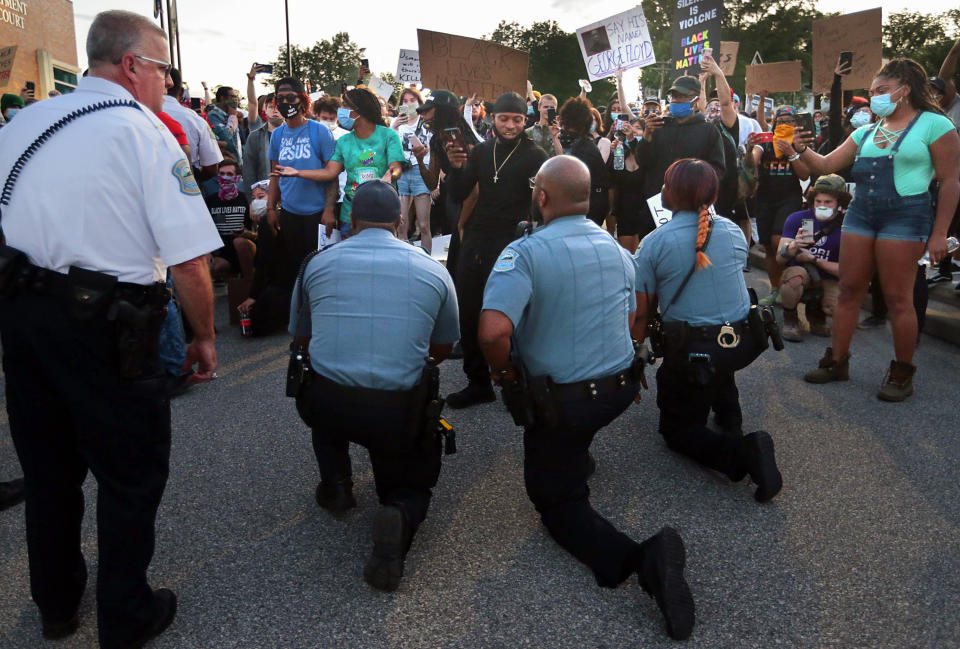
{"points": [[46, 42]]}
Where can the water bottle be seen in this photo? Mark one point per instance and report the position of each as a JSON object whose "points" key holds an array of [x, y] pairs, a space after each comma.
{"points": [[618, 156], [246, 328], [952, 246]]}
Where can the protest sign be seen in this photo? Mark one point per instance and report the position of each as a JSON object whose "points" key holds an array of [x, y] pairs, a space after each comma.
{"points": [[408, 67], [755, 104], [621, 41], [379, 87], [774, 77], [860, 33], [7, 54], [467, 66], [661, 215], [696, 26], [726, 58]]}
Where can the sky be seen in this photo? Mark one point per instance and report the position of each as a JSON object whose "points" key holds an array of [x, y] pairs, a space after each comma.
{"points": [[220, 39]]}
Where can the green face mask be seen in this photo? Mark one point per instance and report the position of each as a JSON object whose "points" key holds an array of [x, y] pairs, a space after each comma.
{"points": [[232, 104]]}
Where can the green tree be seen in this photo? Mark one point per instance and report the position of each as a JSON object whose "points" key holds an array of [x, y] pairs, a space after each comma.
{"points": [[926, 38], [326, 64]]}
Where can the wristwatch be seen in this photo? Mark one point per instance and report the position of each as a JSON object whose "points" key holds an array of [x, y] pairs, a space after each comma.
{"points": [[794, 157]]}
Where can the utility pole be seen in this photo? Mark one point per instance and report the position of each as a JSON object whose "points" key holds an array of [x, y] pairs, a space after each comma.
{"points": [[286, 11]]}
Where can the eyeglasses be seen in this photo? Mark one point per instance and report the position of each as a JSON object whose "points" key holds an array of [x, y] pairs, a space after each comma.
{"points": [[289, 97], [162, 65], [533, 182]]}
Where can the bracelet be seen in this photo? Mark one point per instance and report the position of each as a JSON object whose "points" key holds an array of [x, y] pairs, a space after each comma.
{"points": [[794, 157], [799, 152]]}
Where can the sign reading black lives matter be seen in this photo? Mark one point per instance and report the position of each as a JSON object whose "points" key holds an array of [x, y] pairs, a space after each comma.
{"points": [[696, 27]]}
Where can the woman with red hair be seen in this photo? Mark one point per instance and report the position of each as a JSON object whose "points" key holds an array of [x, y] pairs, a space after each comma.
{"points": [[705, 331]]}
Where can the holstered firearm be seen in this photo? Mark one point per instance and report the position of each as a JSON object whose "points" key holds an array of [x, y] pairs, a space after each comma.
{"points": [[425, 421], [299, 370], [138, 327], [655, 335], [516, 395], [543, 401]]}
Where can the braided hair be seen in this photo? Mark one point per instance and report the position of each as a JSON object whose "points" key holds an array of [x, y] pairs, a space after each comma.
{"points": [[691, 184], [911, 74]]}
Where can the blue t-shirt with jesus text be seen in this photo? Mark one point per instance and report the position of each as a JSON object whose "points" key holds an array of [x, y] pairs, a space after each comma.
{"points": [[308, 147]]}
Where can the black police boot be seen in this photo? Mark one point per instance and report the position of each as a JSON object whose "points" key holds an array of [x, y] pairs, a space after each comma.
{"points": [[166, 603], [471, 395], [391, 540], [57, 629], [660, 574], [757, 457], [591, 465], [11, 493], [336, 497]]}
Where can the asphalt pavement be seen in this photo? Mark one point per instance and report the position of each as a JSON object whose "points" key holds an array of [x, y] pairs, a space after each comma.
{"points": [[860, 550]]}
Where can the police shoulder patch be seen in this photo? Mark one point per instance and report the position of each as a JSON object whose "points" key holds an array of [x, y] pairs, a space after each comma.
{"points": [[506, 261], [184, 175]]}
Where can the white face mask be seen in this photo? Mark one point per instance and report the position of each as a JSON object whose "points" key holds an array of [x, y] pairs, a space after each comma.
{"points": [[258, 206], [823, 212], [329, 124]]}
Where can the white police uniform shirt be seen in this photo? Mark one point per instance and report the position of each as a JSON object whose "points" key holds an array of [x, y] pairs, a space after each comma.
{"points": [[715, 294], [204, 150], [376, 305], [110, 193], [568, 289]]}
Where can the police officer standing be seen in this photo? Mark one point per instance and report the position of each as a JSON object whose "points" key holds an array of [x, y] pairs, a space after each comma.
{"points": [[565, 296], [709, 329], [82, 299], [371, 330]]}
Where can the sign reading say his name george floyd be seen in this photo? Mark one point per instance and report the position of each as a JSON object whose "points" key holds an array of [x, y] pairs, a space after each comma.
{"points": [[621, 41], [467, 66], [696, 26], [860, 33]]}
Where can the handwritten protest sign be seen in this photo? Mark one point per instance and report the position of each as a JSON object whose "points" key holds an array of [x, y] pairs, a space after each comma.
{"points": [[621, 41], [408, 67], [7, 54], [727, 57], [379, 87], [774, 77], [860, 33], [465, 66], [696, 26], [661, 215]]}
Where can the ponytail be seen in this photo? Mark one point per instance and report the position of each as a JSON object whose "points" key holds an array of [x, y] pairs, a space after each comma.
{"points": [[703, 236]]}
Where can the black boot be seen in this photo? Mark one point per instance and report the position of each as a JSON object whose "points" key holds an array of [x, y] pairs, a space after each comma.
{"points": [[662, 561], [757, 457], [11, 493], [391, 540], [474, 393], [336, 497]]}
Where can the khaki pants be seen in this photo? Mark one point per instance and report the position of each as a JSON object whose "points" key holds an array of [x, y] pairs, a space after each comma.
{"points": [[791, 290]]}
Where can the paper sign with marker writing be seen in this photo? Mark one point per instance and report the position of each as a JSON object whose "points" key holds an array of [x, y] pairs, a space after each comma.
{"points": [[860, 33], [408, 67], [661, 215], [618, 42], [467, 66], [696, 27], [380, 87], [727, 57], [7, 54]]}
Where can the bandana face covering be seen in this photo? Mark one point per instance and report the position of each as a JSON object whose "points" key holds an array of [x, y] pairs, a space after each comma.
{"points": [[228, 187], [782, 132]]}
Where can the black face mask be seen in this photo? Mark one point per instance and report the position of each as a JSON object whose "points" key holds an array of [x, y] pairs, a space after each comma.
{"points": [[288, 110]]}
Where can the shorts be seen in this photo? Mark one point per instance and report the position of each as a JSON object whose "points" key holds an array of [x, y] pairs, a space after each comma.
{"points": [[830, 286], [771, 215], [229, 253], [635, 221], [411, 183], [903, 218]]}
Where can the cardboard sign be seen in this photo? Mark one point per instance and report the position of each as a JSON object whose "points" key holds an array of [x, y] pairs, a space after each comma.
{"points": [[696, 26], [379, 87], [661, 215], [7, 54], [774, 77], [408, 67], [618, 42], [755, 104], [860, 33], [726, 58], [467, 66]]}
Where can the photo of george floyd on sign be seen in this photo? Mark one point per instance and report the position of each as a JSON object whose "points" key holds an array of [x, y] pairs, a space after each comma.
{"points": [[860, 33], [696, 26], [618, 42], [408, 67], [467, 66], [774, 77]]}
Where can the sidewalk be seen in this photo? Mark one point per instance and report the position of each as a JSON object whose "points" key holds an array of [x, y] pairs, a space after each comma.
{"points": [[943, 311]]}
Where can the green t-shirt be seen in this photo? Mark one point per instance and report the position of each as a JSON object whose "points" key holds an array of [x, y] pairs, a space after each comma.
{"points": [[365, 160], [912, 166]]}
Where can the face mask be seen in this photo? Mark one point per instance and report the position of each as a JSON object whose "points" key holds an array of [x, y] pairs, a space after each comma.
{"points": [[530, 111], [259, 207], [681, 109], [782, 132], [231, 104], [287, 110], [228, 187], [823, 213], [818, 128], [343, 116], [614, 116], [10, 113], [593, 127], [859, 119], [882, 105], [329, 124]]}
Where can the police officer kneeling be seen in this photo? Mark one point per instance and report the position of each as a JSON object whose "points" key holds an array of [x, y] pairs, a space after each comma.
{"points": [[565, 294], [709, 329], [374, 309]]}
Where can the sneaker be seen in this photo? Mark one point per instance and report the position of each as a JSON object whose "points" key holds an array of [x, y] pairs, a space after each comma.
{"points": [[391, 538], [471, 395], [758, 458], [336, 497], [771, 299], [792, 329], [830, 369], [661, 577], [872, 322], [937, 278], [898, 383], [11, 493]]}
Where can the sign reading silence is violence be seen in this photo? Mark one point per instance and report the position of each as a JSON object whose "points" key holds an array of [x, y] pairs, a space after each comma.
{"points": [[618, 42], [467, 66], [696, 27]]}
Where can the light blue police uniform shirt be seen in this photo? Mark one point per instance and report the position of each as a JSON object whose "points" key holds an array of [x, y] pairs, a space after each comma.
{"points": [[568, 289], [715, 294], [376, 304]]}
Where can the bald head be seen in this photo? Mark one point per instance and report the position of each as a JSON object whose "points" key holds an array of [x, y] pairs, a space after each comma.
{"points": [[566, 182]]}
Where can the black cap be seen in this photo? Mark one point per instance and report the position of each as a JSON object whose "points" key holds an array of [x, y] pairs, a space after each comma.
{"points": [[439, 98], [510, 102], [938, 83], [292, 82], [651, 100], [686, 86], [376, 202]]}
